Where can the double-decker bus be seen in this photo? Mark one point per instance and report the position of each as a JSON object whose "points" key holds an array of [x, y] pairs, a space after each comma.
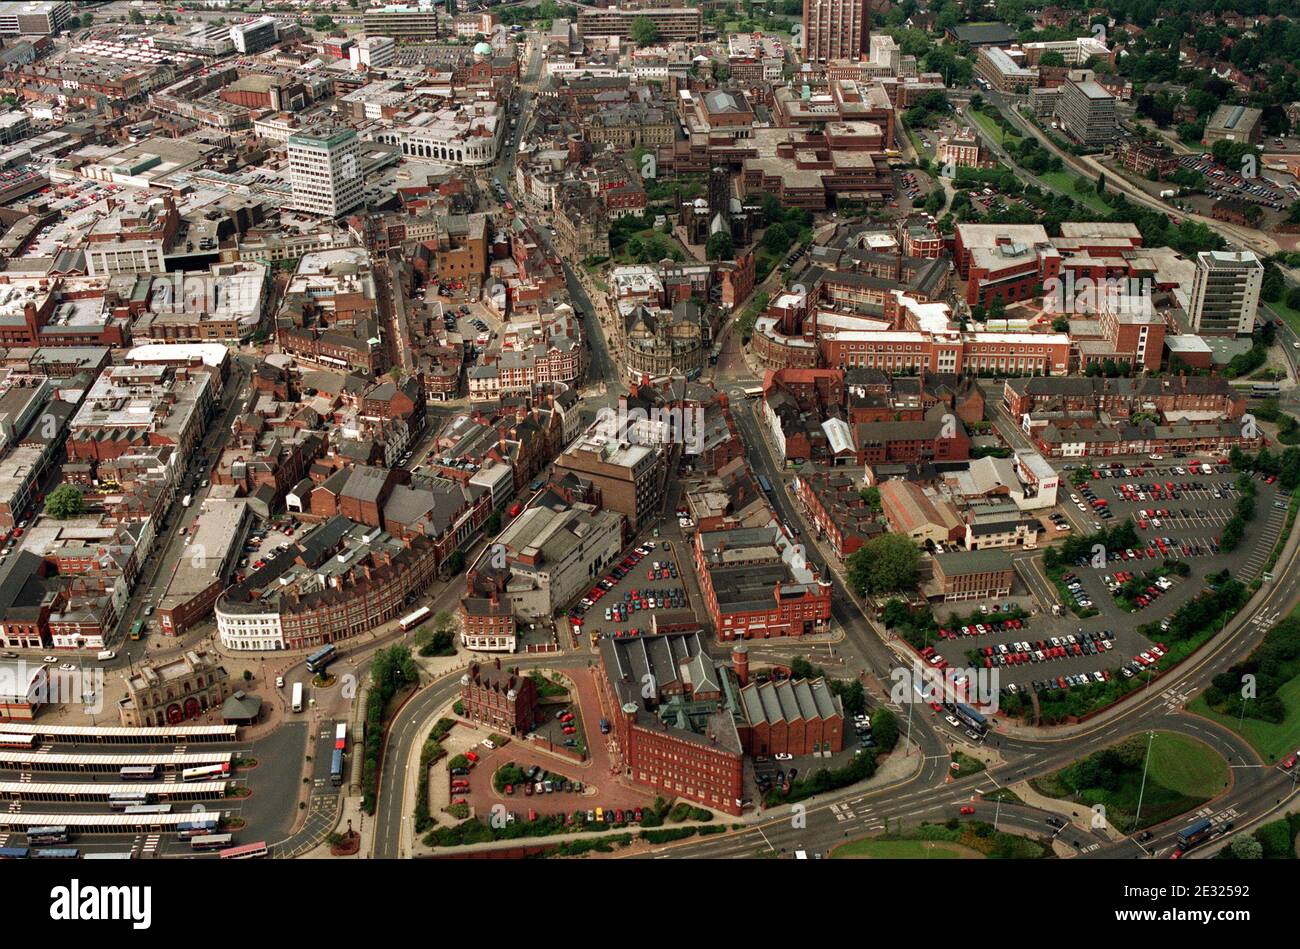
{"points": [[14, 853], [411, 620], [321, 658], [147, 772], [245, 851], [18, 741], [211, 772], [336, 767], [765, 484], [56, 853], [212, 842], [1264, 390], [52, 834], [971, 717], [121, 800], [340, 736]]}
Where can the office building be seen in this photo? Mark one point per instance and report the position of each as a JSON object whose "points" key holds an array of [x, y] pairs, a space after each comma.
{"points": [[835, 29], [403, 21], [255, 36], [34, 18], [1086, 110], [325, 171], [1225, 293]]}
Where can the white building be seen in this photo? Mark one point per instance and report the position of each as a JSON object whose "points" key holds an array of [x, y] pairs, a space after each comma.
{"points": [[460, 134], [255, 35], [373, 52], [1225, 294], [325, 171]]}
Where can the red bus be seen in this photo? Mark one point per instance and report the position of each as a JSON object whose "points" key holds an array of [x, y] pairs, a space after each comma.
{"points": [[244, 851]]}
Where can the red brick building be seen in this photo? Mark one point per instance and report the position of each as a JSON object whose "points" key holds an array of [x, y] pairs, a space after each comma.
{"points": [[499, 698]]}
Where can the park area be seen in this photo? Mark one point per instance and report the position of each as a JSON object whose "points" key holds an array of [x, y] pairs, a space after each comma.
{"points": [[1182, 774]]}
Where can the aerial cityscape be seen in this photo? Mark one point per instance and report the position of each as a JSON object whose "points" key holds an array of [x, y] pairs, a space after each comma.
{"points": [[760, 429]]}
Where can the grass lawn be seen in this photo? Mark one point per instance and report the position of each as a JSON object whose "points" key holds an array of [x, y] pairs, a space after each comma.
{"points": [[1271, 741], [988, 126], [1183, 774], [868, 849], [1289, 315], [917, 144], [1063, 181]]}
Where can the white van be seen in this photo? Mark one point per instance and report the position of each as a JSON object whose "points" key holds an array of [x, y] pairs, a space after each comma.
{"points": [[104, 655]]}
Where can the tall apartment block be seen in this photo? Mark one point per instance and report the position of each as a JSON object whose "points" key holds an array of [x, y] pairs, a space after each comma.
{"points": [[835, 29], [1225, 293], [325, 171]]}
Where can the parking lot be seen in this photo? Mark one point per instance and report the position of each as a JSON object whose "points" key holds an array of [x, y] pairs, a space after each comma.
{"points": [[648, 580], [1224, 182], [1182, 524]]}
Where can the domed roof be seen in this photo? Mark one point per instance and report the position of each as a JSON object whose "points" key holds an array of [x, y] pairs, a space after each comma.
{"points": [[483, 49]]}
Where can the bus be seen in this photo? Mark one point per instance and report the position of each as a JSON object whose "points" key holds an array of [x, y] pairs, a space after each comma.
{"points": [[321, 658], [212, 842], [121, 800], [18, 741], [765, 484], [110, 855], [971, 717], [297, 697], [147, 772], [412, 620], [336, 767], [245, 852], [53, 834], [147, 809], [1263, 390], [209, 772], [801, 854], [752, 392], [56, 853], [13, 853], [137, 628], [1193, 834], [195, 828], [340, 736]]}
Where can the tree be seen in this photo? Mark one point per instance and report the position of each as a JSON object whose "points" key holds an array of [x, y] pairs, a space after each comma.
{"points": [[323, 23], [644, 31], [885, 564], [493, 525], [456, 562], [720, 247], [1246, 848], [64, 502], [884, 728], [135, 16], [1051, 58]]}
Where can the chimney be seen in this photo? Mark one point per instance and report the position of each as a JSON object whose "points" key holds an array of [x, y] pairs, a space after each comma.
{"points": [[740, 663]]}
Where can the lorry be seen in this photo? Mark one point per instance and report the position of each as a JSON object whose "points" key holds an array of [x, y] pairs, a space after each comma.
{"points": [[1168, 193]]}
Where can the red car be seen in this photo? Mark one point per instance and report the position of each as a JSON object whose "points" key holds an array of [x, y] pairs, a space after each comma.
{"points": [[510, 789], [1289, 763], [636, 815], [471, 756], [967, 809]]}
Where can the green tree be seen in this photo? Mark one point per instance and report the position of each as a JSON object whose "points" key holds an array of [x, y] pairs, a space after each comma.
{"points": [[135, 16], [884, 728], [1246, 848], [720, 247], [644, 31], [323, 23], [885, 564], [63, 502]]}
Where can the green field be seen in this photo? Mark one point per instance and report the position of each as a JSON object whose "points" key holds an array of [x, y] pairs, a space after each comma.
{"points": [[988, 126], [1183, 774], [1063, 181], [1271, 741], [1289, 315], [869, 849]]}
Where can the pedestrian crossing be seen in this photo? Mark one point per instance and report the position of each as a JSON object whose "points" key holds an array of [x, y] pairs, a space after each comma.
{"points": [[151, 844], [1175, 699]]}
